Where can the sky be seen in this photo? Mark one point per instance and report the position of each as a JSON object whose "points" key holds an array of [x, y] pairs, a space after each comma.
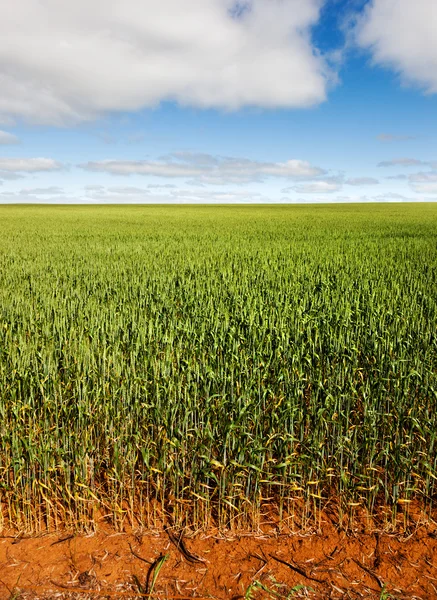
{"points": [[222, 101]]}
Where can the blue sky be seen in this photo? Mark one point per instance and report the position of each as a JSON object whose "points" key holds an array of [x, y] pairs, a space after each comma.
{"points": [[218, 101]]}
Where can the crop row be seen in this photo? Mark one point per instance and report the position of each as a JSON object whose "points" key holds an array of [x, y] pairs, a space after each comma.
{"points": [[209, 360]]}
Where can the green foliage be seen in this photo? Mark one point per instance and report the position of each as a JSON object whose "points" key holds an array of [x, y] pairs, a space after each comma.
{"points": [[205, 358]]}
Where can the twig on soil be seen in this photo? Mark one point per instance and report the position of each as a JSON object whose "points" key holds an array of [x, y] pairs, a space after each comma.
{"points": [[369, 572], [262, 567], [178, 541], [297, 569], [148, 562], [329, 556], [377, 560], [65, 539]]}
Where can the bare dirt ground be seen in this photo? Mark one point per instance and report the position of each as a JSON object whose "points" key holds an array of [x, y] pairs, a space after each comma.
{"points": [[326, 564]]}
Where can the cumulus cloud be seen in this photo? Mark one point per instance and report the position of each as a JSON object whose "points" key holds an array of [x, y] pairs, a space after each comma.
{"points": [[8, 138], [206, 168], [18, 168], [400, 34], [88, 58], [362, 181], [28, 165]]}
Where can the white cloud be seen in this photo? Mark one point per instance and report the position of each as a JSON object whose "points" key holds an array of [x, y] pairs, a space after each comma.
{"points": [[119, 195], [425, 188], [64, 62], [424, 183], [160, 185], [393, 197], [128, 190], [330, 184], [18, 168], [28, 165], [327, 199], [402, 162], [362, 181], [401, 34], [94, 188], [175, 196], [381, 198], [20, 197], [47, 191], [205, 168], [8, 138], [317, 187], [425, 177], [10, 176]]}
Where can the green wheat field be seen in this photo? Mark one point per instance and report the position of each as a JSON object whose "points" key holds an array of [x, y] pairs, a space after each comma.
{"points": [[210, 360]]}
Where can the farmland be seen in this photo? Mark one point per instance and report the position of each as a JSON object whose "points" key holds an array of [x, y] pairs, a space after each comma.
{"points": [[205, 361]]}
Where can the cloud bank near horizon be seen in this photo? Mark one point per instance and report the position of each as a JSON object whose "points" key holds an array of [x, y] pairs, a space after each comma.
{"points": [[207, 169], [192, 170]]}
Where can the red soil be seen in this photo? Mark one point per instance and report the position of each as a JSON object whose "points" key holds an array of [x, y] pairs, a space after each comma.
{"points": [[327, 564]]}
